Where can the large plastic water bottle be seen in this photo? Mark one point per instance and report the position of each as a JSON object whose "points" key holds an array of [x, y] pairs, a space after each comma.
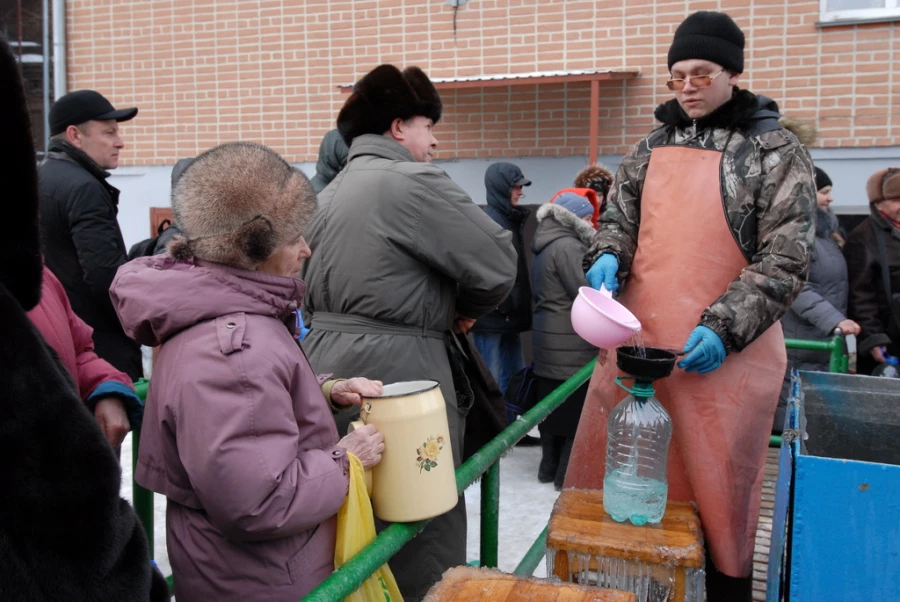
{"points": [[635, 486]]}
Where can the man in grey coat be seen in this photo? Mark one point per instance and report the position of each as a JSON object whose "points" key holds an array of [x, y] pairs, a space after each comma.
{"points": [[402, 257]]}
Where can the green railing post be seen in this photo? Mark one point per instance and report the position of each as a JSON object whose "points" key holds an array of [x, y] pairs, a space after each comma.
{"points": [[533, 556], [490, 516], [141, 499], [835, 346]]}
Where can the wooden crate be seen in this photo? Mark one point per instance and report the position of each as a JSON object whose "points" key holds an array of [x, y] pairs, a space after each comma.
{"points": [[490, 585], [580, 529]]}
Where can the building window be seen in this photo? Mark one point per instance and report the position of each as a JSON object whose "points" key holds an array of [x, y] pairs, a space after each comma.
{"points": [[859, 10]]}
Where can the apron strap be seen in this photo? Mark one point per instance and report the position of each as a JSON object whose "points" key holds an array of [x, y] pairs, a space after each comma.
{"points": [[352, 324]]}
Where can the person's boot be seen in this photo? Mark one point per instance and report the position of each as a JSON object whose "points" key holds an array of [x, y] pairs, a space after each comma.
{"points": [[549, 458], [564, 452]]}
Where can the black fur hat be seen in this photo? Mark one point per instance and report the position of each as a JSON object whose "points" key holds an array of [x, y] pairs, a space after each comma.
{"points": [[20, 251], [385, 94]]}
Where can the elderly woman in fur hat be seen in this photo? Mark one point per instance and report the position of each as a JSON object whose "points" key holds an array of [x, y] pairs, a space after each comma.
{"points": [[238, 433]]}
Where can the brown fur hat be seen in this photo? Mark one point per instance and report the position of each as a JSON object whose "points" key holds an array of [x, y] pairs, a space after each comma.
{"points": [[21, 266], [595, 177], [884, 184], [385, 94], [237, 203]]}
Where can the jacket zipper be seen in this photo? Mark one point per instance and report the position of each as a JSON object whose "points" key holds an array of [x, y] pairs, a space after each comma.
{"points": [[695, 129]]}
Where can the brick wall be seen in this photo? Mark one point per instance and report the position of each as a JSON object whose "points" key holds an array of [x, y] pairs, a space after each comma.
{"points": [[208, 71]]}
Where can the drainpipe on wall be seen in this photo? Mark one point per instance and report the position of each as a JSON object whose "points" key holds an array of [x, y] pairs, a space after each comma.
{"points": [[59, 49], [45, 65]]}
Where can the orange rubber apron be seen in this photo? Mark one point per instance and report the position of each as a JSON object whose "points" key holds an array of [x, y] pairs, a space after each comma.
{"points": [[686, 257]]}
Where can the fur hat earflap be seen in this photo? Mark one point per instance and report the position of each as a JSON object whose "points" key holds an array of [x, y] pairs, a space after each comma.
{"points": [[596, 177], [21, 266], [385, 94], [806, 132], [237, 203], [884, 185]]}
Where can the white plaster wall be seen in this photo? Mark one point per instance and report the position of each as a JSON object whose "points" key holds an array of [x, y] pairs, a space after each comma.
{"points": [[145, 187]]}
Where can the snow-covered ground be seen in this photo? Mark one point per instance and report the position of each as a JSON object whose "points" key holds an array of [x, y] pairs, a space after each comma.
{"points": [[525, 507]]}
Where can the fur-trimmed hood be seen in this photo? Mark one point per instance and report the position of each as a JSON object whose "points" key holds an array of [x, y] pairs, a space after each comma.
{"points": [[385, 94], [556, 222], [237, 203]]}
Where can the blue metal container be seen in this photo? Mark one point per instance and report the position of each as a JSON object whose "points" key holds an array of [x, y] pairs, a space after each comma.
{"points": [[836, 526]]}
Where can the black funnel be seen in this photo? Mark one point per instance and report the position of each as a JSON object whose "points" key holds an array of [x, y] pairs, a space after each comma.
{"points": [[648, 363]]}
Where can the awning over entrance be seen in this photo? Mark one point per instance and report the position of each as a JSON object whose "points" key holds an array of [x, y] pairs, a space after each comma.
{"points": [[592, 76]]}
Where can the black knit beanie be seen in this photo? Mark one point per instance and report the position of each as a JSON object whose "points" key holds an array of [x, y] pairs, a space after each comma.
{"points": [[711, 36], [822, 179]]}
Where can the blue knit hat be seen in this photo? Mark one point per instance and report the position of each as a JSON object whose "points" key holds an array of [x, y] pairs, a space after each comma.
{"points": [[575, 203]]}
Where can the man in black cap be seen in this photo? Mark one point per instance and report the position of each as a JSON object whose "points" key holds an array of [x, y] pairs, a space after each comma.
{"points": [[709, 224], [82, 242]]}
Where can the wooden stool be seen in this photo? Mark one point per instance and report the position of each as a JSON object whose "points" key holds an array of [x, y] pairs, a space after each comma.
{"points": [[663, 562], [471, 584]]}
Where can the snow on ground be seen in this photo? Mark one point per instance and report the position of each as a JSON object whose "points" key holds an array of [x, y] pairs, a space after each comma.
{"points": [[525, 507]]}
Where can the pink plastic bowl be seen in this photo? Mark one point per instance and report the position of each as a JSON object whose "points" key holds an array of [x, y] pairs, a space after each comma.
{"points": [[601, 320]]}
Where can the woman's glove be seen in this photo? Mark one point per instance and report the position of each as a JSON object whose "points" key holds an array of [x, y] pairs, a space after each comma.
{"points": [[603, 273], [705, 351]]}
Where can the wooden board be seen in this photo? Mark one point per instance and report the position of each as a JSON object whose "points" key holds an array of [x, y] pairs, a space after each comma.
{"points": [[579, 524], [764, 527], [471, 584]]}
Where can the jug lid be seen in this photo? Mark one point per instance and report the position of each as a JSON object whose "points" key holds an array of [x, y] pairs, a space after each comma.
{"points": [[409, 387]]}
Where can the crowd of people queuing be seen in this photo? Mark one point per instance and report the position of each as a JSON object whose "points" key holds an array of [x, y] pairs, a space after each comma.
{"points": [[243, 430]]}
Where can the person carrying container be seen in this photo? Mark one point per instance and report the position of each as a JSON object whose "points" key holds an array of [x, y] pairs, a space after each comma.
{"points": [[708, 227]]}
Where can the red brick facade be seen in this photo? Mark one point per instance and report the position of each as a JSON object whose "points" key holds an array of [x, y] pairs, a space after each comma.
{"points": [[208, 71]]}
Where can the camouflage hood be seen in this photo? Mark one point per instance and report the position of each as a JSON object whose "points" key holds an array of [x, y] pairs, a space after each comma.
{"points": [[768, 193]]}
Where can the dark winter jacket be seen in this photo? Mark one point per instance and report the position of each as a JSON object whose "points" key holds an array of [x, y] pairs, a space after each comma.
{"points": [[868, 305], [65, 534], [514, 314], [559, 245], [822, 304], [83, 246], [766, 183], [333, 154]]}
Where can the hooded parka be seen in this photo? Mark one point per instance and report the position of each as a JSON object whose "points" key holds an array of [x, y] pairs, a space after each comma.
{"points": [[399, 250], [514, 314]]}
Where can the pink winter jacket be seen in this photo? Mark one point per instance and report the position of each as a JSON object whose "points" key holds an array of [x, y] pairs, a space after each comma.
{"points": [[72, 340], [237, 434]]}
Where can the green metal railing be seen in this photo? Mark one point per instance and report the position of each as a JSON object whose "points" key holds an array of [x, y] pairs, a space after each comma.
{"points": [[485, 463], [834, 346]]}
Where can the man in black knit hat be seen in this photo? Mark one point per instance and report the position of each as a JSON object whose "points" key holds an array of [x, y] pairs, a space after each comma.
{"points": [[709, 225]]}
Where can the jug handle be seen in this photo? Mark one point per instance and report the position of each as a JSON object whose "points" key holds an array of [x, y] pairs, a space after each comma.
{"points": [[368, 472]]}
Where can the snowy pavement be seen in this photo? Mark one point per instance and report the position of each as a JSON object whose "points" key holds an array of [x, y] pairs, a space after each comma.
{"points": [[525, 507]]}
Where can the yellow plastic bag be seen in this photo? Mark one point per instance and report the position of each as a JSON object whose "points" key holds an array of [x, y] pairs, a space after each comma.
{"points": [[355, 530]]}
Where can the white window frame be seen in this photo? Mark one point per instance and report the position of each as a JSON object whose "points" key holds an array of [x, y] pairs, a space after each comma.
{"points": [[891, 10]]}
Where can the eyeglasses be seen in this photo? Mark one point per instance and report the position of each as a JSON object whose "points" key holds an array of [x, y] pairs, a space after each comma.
{"points": [[697, 81]]}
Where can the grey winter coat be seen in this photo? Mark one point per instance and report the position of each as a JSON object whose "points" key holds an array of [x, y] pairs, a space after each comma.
{"points": [[332, 159], [559, 244], [398, 250], [822, 304]]}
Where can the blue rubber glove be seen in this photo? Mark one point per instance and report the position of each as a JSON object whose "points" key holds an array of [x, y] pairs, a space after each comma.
{"points": [[301, 326], [603, 272], [705, 351]]}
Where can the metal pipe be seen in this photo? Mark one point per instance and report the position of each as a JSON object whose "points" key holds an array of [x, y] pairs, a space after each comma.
{"points": [[19, 29], [45, 67], [490, 516], [533, 556], [60, 83], [142, 499]]}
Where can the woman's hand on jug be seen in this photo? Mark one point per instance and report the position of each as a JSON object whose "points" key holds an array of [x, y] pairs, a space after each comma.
{"points": [[366, 443], [351, 392]]}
